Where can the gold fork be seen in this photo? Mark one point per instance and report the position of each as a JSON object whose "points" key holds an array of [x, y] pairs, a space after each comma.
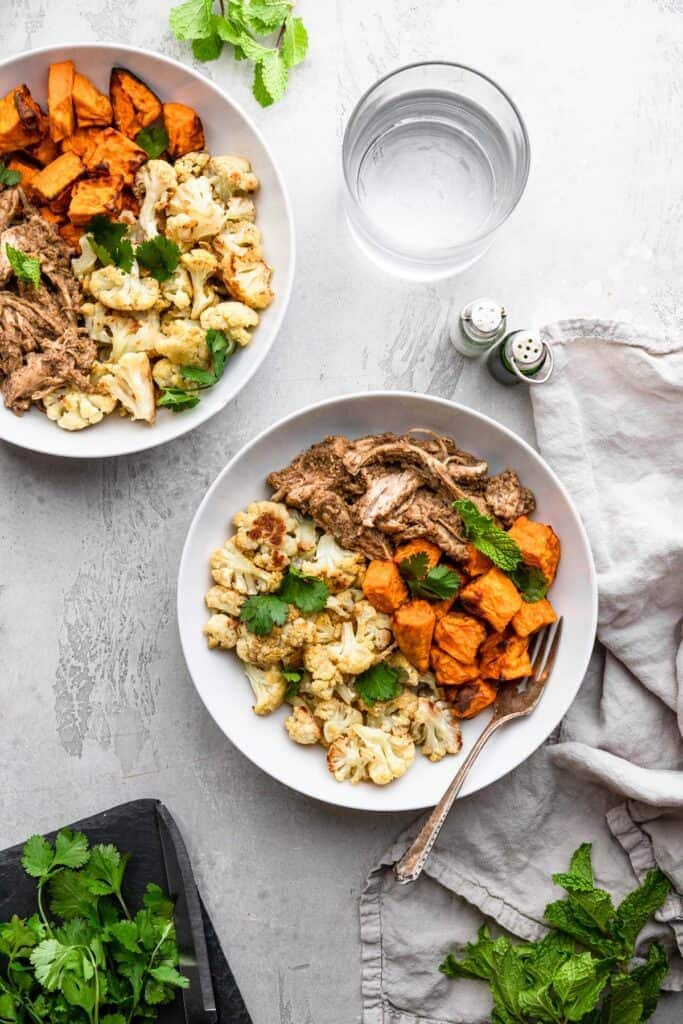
{"points": [[514, 700]]}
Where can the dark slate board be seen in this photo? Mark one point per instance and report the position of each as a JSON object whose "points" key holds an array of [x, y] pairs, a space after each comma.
{"points": [[131, 827]]}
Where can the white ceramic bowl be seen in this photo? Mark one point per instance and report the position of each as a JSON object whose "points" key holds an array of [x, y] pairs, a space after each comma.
{"points": [[228, 130], [218, 675]]}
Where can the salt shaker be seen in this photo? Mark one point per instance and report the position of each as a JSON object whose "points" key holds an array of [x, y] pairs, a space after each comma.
{"points": [[479, 326]]}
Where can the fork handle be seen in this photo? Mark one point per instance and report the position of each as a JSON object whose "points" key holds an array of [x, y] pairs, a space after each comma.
{"points": [[409, 867]]}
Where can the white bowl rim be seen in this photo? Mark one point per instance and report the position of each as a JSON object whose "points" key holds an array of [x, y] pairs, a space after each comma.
{"points": [[344, 797], [142, 442]]}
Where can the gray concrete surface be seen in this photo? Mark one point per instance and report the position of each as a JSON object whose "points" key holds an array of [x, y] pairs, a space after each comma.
{"points": [[97, 704]]}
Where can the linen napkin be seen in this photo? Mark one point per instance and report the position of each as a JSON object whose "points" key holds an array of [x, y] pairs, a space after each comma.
{"points": [[610, 423]]}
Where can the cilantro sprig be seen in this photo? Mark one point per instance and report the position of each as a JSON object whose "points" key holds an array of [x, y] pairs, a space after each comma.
{"points": [[8, 176], [220, 348], [160, 256], [153, 139], [293, 678], [86, 958], [265, 32], [578, 971], [262, 612], [434, 584], [110, 243], [380, 682]]}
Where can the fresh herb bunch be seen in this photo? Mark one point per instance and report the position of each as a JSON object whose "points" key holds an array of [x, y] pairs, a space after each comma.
{"points": [[262, 612], [502, 549], [434, 584], [100, 964], [578, 972], [240, 24]]}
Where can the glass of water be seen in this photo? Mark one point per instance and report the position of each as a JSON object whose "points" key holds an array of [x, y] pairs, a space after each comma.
{"points": [[436, 157]]}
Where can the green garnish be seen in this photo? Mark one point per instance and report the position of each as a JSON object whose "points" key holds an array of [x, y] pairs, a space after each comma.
{"points": [[26, 268], [153, 139], [578, 971], [381, 682], [262, 612], [293, 678], [179, 399], [8, 176], [158, 255], [99, 962], [110, 244], [488, 538], [238, 24], [221, 348], [308, 593], [530, 581], [438, 583]]}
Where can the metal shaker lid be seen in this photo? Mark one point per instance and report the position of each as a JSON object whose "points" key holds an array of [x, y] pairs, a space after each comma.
{"points": [[483, 318]]}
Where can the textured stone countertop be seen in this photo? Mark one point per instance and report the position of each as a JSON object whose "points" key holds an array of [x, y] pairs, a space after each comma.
{"points": [[98, 706]]}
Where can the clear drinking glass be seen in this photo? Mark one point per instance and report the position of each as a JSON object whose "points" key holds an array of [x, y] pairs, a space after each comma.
{"points": [[436, 157]]}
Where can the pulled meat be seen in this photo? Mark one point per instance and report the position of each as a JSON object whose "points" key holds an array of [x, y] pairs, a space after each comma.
{"points": [[41, 346], [377, 491]]}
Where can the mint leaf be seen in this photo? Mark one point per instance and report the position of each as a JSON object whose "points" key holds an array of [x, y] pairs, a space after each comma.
{"points": [[624, 1005], [538, 1003], [177, 399], [308, 593], [160, 256], [226, 30], [530, 581], [580, 865], [221, 348], [8, 176], [209, 48], [649, 977], [578, 984], [508, 982], [266, 16], [37, 857], [488, 538], [191, 20], [258, 88], [563, 916], [26, 268], [381, 682], [263, 612], [294, 42], [274, 75], [481, 957], [595, 904], [635, 910], [153, 139]]}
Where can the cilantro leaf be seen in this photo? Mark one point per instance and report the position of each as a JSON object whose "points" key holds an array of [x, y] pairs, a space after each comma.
{"points": [[16, 938], [308, 593], [37, 857], [381, 682], [71, 849], [26, 268], [191, 20], [106, 869], [635, 909], [71, 896], [262, 612], [293, 678], [168, 975], [158, 255], [221, 348], [204, 378], [294, 42], [8, 176], [488, 538], [109, 242], [438, 582], [156, 900], [177, 399], [153, 139], [530, 581]]}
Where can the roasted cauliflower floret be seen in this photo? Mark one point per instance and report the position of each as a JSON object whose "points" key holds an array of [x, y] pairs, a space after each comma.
{"points": [[302, 727], [87, 261], [116, 289], [266, 533], [435, 729], [231, 569], [327, 629], [191, 165], [221, 599], [240, 208], [72, 409], [325, 674], [154, 184], [239, 238], [347, 759], [167, 375], [395, 716], [282, 644], [387, 756], [269, 688], [130, 381], [184, 343], [230, 175], [132, 334], [372, 627], [337, 718], [177, 290], [351, 654], [193, 214], [221, 631], [306, 533], [95, 317], [248, 280], [233, 318], [200, 265], [343, 603], [409, 674], [333, 564]]}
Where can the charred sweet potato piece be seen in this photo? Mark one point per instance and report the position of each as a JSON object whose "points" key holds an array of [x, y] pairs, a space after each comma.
{"points": [[96, 195], [532, 616], [184, 129], [44, 152], [92, 107], [113, 154], [129, 201], [60, 101], [476, 564], [413, 629], [383, 586], [134, 104], [449, 671], [71, 234], [505, 657], [27, 171], [443, 606], [468, 700], [51, 216], [492, 596], [459, 635], [81, 142], [52, 180], [22, 122], [420, 546], [539, 544]]}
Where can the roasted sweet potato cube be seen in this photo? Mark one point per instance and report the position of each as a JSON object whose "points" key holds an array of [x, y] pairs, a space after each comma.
{"points": [[449, 671], [27, 171], [113, 154], [532, 616], [476, 564], [22, 122], [539, 544], [492, 596], [443, 606], [459, 635], [383, 586], [60, 102], [91, 106], [184, 129], [134, 104], [505, 657], [413, 629], [468, 700], [44, 152], [71, 234], [51, 216], [92, 196], [419, 546], [82, 142], [52, 180]]}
